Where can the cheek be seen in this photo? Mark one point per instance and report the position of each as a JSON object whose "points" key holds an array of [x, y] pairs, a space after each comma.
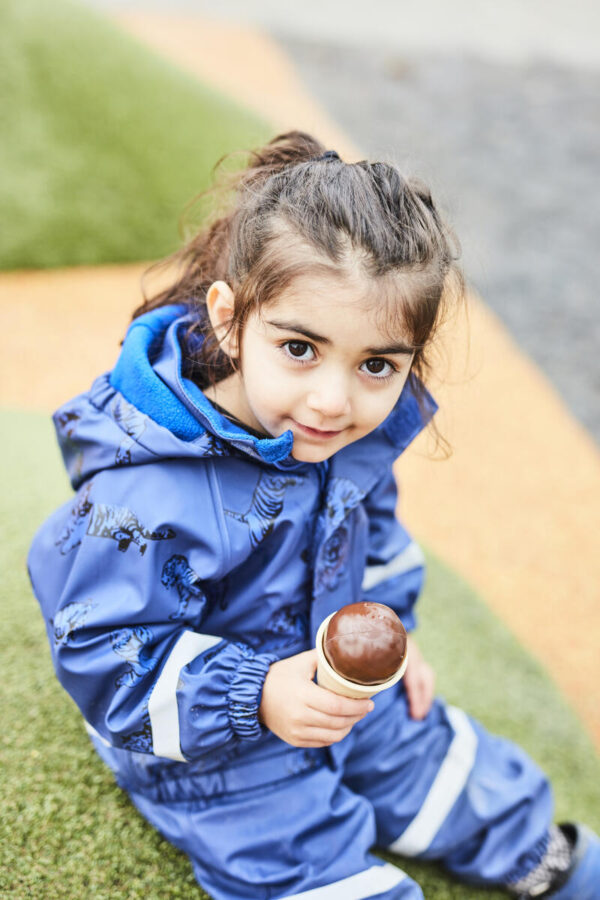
{"points": [[257, 370], [376, 407], [268, 390]]}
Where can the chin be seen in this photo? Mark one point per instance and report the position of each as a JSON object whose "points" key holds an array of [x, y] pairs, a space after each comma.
{"points": [[310, 454], [314, 454], [311, 457]]}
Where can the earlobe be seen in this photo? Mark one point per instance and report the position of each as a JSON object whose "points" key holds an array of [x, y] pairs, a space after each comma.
{"points": [[220, 306]]}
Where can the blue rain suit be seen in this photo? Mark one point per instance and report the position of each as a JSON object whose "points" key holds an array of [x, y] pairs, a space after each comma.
{"points": [[195, 554]]}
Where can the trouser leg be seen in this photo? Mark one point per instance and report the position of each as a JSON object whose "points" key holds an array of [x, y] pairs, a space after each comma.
{"points": [[305, 837], [308, 837], [446, 789]]}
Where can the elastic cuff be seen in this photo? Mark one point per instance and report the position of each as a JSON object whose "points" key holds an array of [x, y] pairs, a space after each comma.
{"points": [[244, 696]]}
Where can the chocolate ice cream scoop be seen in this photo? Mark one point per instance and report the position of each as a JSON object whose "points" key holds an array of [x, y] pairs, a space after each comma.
{"points": [[365, 642]]}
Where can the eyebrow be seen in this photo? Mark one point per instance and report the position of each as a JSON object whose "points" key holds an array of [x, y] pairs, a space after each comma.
{"points": [[394, 348]]}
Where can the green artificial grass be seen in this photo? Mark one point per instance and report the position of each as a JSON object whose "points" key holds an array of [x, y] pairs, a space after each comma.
{"points": [[68, 831], [103, 142]]}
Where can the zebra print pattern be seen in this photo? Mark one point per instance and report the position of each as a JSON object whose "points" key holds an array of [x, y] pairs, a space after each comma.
{"points": [[266, 506]]}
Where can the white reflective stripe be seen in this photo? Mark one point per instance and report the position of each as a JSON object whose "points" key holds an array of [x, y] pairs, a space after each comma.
{"points": [[367, 883], [93, 733], [444, 792], [162, 705], [411, 557]]}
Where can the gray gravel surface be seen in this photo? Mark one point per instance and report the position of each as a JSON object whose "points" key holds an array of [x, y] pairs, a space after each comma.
{"points": [[512, 153], [498, 108]]}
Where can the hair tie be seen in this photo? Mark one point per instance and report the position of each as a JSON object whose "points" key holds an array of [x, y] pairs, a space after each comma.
{"points": [[329, 154]]}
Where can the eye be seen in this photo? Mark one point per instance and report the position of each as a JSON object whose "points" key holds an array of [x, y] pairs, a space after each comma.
{"points": [[378, 368], [299, 350]]}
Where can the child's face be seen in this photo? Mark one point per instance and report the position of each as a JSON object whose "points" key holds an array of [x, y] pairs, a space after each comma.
{"points": [[317, 362]]}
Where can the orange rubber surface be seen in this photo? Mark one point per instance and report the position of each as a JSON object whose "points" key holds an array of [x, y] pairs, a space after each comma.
{"points": [[515, 510]]}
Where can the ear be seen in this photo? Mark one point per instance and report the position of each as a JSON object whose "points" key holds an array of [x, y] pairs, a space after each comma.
{"points": [[220, 304]]}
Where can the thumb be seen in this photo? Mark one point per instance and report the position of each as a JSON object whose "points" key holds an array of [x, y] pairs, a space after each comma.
{"points": [[416, 700], [309, 661]]}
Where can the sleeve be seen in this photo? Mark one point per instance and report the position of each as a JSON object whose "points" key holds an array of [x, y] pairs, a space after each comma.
{"points": [[395, 566], [125, 593]]}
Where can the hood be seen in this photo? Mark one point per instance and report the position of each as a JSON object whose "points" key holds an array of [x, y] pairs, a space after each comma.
{"points": [[146, 409]]}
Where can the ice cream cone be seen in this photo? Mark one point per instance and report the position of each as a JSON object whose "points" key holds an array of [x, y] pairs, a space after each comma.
{"points": [[328, 678]]}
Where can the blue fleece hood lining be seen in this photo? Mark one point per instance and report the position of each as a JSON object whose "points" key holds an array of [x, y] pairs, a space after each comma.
{"points": [[134, 377]]}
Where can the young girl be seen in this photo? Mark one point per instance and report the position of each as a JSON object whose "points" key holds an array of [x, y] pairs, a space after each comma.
{"points": [[234, 487]]}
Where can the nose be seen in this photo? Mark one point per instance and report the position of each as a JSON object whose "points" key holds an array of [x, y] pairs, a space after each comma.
{"points": [[329, 396]]}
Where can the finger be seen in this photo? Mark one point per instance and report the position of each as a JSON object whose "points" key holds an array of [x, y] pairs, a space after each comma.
{"points": [[310, 661], [318, 719], [417, 709], [414, 699], [324, 736], [428, 693], [312, 744], [420, 700], [321, 699]]}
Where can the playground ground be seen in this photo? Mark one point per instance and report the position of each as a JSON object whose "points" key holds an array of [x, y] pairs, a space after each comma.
{"points": [[515, 508], [509, 522]]}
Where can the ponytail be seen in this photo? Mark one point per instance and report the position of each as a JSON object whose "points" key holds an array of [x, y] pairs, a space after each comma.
{"points": [[205, 258]]}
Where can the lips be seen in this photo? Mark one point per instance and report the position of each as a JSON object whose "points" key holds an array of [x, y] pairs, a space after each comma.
{"points": [[317, 432]]}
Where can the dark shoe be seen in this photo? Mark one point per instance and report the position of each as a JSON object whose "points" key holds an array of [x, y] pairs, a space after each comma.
{"points": [[581, 881]]}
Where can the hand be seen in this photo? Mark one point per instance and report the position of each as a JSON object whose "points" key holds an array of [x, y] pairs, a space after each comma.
{"points": [[419, 681], [301, 712]]}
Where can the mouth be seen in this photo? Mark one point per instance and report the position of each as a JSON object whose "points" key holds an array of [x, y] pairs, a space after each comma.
{"points": [[317, 432]]}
